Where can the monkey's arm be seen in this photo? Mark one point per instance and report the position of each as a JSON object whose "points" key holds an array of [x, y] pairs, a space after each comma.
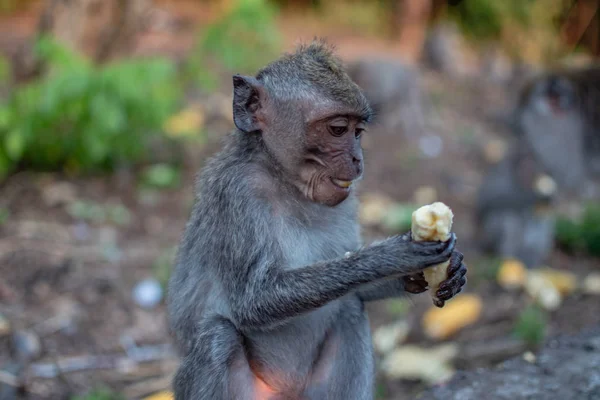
{"points": [[383, 290], [262, 292]]}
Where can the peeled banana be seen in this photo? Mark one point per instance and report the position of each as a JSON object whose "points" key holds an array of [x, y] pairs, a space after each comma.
{"points": [[431, 223]]}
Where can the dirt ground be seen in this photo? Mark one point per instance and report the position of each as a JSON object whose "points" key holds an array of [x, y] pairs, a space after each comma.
{"points": [[70, 281]]}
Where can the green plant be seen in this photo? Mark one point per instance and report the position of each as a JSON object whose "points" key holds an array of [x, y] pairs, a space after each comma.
{"points": [[100, 394], [241, 41], [398, 217], [99, 213], [80, 117], [527, 29], [4, 214], [582, 234], [484, 270], [531, 325], [398, 307], [163, 264], [161, 176]]}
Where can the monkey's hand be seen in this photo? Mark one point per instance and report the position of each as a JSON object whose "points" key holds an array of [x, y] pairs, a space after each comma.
{"points": [[415, 256], [448, 288]]}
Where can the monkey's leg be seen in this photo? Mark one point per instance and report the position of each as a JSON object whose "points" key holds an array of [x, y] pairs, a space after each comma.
{"points": [[345, 370], [216, 367]]}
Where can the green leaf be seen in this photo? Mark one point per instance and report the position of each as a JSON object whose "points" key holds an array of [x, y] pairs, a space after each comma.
{"points": [[14, 144], [161, 176]]}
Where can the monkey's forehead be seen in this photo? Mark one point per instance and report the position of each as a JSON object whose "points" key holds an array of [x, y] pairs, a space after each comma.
{"points": [[323, 107], [317, 100]]}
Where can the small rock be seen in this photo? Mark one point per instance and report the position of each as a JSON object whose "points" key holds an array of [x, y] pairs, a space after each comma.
{"points": [[545, 185], [107, 235], [4, 326], [387, 337], [431, 145], [148, 293], [26, 345], [529, 357], [591, 284], [81, 232]]}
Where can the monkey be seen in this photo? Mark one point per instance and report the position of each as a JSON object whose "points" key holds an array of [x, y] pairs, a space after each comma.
{"points": [[266, 299], [558, 115], [555, 128]]}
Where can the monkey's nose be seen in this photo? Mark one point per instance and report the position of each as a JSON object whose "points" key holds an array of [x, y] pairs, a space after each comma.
{"points": [[358, 165]]}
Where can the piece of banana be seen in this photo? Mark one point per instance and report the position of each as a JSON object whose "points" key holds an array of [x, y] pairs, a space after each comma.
{"points": [[431, 223]]}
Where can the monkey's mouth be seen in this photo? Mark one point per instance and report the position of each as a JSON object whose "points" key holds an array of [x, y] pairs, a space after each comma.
{"points": [[341, 183]]}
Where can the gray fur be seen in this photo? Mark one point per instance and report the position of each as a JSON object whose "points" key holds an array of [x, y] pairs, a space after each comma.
{"points": [[263, 287]]}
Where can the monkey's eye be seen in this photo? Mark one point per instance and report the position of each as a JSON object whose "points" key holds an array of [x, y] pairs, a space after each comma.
{"points": [[358, 132], [338, 130]]}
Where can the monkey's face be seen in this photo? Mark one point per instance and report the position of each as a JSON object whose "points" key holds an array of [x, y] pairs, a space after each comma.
{"points": [[313, 131], [332, 162]]}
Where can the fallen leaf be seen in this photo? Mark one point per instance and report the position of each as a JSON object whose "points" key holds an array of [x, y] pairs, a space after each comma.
{"points": [[165, 395], [591, 284], [441, 323], [387, 337], [431, 365], [186, 123], [543, 291], [564, 282], [512, 274]]}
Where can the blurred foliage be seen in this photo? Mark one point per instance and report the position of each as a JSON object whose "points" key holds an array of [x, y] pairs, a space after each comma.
{"points": [[100, 213], [162, 176], [398, 218], [80, 117], [582, 234], [484, 270], [398, 307], [8, 6], [4, 70], [531, 325], [4, 214], [100, 394], [242, 41], [527, 29], [163, 264]]}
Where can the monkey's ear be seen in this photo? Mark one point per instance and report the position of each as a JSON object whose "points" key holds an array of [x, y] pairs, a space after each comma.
{"points": [[247, 97]]}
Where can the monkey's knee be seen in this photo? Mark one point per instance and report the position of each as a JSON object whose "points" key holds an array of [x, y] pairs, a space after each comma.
{"points": [[204, 371]]}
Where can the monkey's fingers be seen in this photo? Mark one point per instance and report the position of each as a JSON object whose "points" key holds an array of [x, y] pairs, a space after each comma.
{"points": [[437, 252], [456, 260], [452, 286]]}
